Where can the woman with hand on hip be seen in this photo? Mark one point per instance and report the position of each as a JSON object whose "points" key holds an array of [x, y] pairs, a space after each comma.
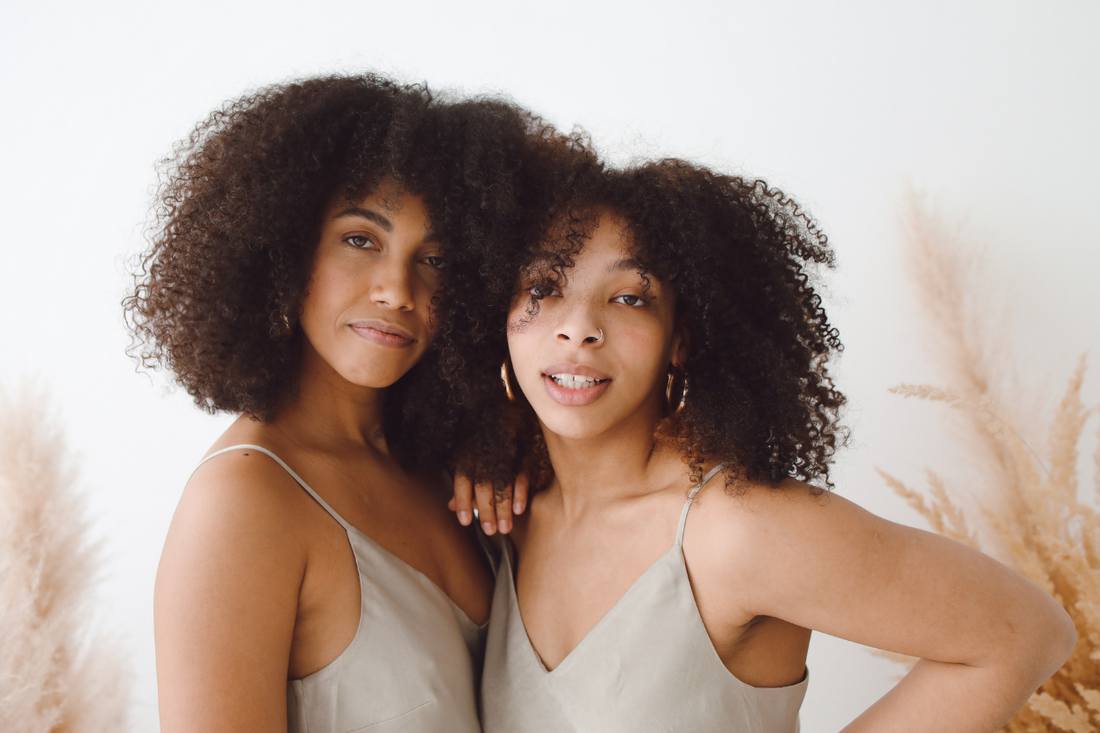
{"points": [[314, 240], [668, 364]]}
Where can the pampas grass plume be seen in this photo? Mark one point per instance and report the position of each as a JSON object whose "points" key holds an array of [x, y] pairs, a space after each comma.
{"points": [[56, 675], [1029, 514]]}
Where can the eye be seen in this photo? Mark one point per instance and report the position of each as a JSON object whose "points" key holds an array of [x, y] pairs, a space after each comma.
{"points": [[631, 300], [435, 261], [542, 291], [360, 241]]}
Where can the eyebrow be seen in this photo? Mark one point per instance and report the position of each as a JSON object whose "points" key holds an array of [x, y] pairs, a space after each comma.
{"points": [[379, 219], [627, 264], [369, 215]]}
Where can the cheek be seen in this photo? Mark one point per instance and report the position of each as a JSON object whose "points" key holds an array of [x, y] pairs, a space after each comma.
{"points": [[524, 335], [644, 350], [428, 283], [433, 312], [323, 295], [425, 285]]}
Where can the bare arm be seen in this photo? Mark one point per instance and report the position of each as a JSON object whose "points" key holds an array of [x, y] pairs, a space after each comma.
{"points": [[987, 636], [226, 599]]}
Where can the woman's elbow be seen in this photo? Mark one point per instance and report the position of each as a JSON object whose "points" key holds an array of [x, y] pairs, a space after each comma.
{"points": [[1052, 640], [1065, 639]]}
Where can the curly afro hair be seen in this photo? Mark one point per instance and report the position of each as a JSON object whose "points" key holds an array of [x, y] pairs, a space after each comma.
{"points": [[238, 215], [741, 258]]}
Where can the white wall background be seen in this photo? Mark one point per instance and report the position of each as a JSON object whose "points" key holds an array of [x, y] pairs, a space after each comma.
{"points": [[994, 105]]}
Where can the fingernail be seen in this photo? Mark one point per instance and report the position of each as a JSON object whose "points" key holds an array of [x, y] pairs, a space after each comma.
{"points": [[464, 518], [488, 527], [505, 526], [517, 508]]}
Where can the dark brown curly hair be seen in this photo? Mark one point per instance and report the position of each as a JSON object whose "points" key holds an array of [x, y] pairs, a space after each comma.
{"points": [[741, 258], [237, 220]]}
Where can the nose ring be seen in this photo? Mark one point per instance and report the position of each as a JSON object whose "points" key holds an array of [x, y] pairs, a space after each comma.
{"points": [[596, 341]]}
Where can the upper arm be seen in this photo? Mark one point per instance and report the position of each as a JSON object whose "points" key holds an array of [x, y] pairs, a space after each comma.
{"points": [[226, 600], [826, 564]]}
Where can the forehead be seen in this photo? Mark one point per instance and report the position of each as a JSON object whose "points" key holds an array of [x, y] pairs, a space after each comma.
{"points": [[610, 252], [392, 197], [388, 197], [610, 238], [578, 241]]}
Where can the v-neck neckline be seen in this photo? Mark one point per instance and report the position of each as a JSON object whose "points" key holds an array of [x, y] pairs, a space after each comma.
{"points": [[418, 574], [509, 557], [677, 547]]}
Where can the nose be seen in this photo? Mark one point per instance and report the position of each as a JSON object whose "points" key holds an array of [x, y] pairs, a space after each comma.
{"points": [[580, 328], [391, 286]]}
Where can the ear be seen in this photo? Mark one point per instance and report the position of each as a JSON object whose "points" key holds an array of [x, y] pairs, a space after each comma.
{"points": [[681, 343]]}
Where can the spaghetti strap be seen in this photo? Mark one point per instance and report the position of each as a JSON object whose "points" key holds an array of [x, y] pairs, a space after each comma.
{"points": [[288, 469], [691, 497]]}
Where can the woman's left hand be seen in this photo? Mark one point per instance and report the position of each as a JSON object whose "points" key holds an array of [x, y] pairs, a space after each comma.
{"points": [[495, 510]]}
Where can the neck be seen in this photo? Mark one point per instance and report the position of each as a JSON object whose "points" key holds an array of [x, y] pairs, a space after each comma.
{"points": [[620, 463], [330, 411]]}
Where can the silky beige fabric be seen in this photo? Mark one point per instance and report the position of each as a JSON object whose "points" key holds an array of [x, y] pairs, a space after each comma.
{"points": [[648, 665], [412, 664]]}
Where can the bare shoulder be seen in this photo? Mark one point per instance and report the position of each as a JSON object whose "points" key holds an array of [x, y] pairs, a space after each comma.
{"points": [[791, 521], [747, 512], [821, 562], [241, 518], [755, 535], [226, 594], [241, 492]]}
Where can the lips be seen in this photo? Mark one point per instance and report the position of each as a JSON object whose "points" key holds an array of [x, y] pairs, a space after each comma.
{"points": [[574, 381], [574, 385], [383, 333]]}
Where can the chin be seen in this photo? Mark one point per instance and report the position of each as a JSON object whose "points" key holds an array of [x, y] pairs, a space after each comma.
{"points": [[375, 379], [572, 428]]}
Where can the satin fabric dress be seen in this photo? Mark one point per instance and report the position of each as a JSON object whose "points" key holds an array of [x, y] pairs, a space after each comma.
{"points": [[647, 666], [414, 660]]}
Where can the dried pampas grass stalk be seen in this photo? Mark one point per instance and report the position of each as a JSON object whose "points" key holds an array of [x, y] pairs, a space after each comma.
{"points": [[1029, 514], [56, 674]]}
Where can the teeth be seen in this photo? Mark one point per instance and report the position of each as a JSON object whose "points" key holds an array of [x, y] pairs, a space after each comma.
{"points": [[574, 381]]}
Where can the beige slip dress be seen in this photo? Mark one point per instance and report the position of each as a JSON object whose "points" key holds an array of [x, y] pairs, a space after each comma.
{"points": [[647, 665], [414, 660]]}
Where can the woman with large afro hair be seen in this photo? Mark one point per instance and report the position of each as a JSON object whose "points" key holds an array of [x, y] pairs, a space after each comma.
{"points": [[314, 249], [665, 364]]}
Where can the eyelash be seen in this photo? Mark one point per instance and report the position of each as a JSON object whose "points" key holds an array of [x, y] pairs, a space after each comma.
{"points": [[367, 243], [538, 291], [351, 241]]}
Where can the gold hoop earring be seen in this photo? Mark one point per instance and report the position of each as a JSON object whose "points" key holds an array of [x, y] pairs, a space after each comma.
{"points": [[508, 379], [676, 389]]}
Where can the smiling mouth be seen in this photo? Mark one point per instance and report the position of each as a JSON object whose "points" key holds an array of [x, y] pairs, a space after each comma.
{"points": [[575, 381], [382, 333]]}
